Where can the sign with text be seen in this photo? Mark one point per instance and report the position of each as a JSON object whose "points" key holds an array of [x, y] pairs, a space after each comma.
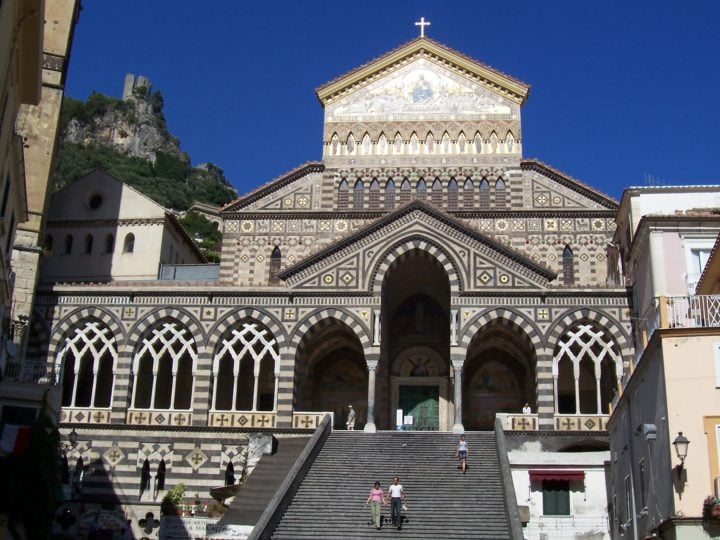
{"points": [[192, 528]]}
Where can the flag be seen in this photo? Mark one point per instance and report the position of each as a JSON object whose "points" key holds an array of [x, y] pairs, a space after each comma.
{"points": [[13, 438]]}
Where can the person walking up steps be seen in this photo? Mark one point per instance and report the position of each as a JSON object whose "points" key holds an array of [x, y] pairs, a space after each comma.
{"points": [[461, 453], [376, 498], [397, 500]]}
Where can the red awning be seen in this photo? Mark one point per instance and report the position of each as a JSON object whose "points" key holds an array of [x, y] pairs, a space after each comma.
{"points": [[558, 474]]}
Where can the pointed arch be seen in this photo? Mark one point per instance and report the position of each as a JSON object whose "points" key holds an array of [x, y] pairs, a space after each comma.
{"points": [[350, 144], [414, 144], [437, 192], [445, 145], [358, 195], [382, 144], [335, 145], [452, 195], [461, 143], [389, 194], [405, 191], [468, 193], [160, 476], [343, 195], [493, 143], [275, 265], [374, 194], [398, 144], [484, 194], [500, 194], [509, 142], [366, 145], [421, 190], [568, 267], [229, 474], [477, 143], [430, 143]]}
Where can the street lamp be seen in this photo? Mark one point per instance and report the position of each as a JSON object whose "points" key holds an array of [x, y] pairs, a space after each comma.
{"points": [[681, 448], [73, 437]]}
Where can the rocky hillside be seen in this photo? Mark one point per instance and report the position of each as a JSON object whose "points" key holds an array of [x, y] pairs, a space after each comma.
{"points": [[129, 139]]}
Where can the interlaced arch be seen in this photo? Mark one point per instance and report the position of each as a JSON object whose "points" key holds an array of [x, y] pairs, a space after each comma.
{"points": [[246, 368], [89, 353], [164, 367]]}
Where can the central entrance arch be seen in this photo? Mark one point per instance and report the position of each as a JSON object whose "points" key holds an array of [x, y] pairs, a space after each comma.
{"points": [[415, 345]]}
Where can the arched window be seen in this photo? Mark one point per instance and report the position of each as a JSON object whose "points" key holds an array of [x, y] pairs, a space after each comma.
{"points": [[109, 243], [382, 145], [358, 195], [437, 194], [374, 194], [477, 142], [145, 477], [129, 244], [390, 194], [493, 143], [414, 144], [160, 478], [334, 145], [500, 198], [342, 195], [48, 244], [68, 244], [366, 148], [509, 142], [452, 195], [244, 369], [430, 143], [163, 367], [350, 145], [405, 191], [461, 143], [275, 262], [89, 355], [398, 144], [582, 352], [446, 143], [88, 244], [79, 475], [230, 474], [484, 195], [421, 190], [468, 193], [568, 267]]}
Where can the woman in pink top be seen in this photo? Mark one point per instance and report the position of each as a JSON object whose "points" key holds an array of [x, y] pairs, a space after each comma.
{"points": [[375, 498]]}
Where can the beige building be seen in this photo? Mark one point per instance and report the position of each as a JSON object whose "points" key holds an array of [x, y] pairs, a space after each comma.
{"points": [[100, 229], [666, 236], [35, 39]]}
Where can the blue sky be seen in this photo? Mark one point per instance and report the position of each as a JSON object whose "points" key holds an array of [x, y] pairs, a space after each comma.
{"points": [[622, 91]]}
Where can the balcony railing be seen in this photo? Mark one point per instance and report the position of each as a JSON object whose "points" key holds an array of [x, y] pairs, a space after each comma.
{"points": [[30, 372]]}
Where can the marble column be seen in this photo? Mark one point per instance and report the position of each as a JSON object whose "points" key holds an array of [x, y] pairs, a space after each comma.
{"points": [[370, 424], [457, 425]]}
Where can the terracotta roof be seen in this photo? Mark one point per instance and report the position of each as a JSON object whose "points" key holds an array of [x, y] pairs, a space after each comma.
{"points": [[544, 167], [276, 183], [409, 44]]}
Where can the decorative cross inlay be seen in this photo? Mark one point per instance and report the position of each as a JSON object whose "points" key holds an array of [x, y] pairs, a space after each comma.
{"points": [[139, 418], [263, 420], [180, 420], [114, 455], [196, 458], [568, 423], [524, 423], [422, 23], [222, 419], [306, 422], [99, 417]]}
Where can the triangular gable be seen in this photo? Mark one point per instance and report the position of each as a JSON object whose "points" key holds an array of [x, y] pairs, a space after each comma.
{"points": [[553, 189], [274, 194], [482, 264], [424, 47]]}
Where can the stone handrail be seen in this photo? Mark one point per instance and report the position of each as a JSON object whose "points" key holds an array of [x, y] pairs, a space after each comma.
{"points": [[270, 518], [516, 530]]}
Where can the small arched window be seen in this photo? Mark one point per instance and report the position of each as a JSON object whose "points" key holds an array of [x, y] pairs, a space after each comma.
{"points": [[275, 263], [568, 267], [500, 197], [358, 195], [160, 483], [461, 143], [230, 474], [145, 476], [477, 142], [129, 244], [484, 195], [405, 191], [430, 143], [342, 195], [334, 145], [390, 194], [421, 190], [351, 144], [436, 196], [382, 145], [468, 193], [109, 243], [48, 244], [374, 194], [88, 244], [453, 194], [68, 244]]}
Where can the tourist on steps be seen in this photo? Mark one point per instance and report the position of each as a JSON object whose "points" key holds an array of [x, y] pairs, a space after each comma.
{"points": [[350, 424], [461, 453], [397, 501], [375, 498]]}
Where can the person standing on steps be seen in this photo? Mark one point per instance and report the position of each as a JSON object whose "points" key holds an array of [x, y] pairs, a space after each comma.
{"points": [[526, 409], [461, 453], [350, 424], [397, 500], [375, 498]]}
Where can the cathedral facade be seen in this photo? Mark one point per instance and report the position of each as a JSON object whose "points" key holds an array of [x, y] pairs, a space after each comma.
{"points": [[424, 272]]}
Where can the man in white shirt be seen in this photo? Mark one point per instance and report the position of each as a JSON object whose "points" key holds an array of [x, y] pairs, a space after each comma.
{"points": [[397, 499]]}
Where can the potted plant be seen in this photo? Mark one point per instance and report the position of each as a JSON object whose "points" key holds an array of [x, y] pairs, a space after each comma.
{"points": [[711, 507]]}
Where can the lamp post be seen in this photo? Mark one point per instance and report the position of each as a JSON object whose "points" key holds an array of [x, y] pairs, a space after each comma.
{"points": [[681, 449]]}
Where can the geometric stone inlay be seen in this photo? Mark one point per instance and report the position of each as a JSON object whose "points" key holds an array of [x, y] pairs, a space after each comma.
{"points": [[197, 458]]}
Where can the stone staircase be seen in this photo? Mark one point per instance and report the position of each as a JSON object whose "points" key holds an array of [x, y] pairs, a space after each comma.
{"points": [[261, 485], [443, 502]]}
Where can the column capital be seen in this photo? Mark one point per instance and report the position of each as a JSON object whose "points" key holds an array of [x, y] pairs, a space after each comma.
{"points": [[371, 364], [458, 364]]}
